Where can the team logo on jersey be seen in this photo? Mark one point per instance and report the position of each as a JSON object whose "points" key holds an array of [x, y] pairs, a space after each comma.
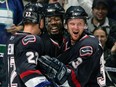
{"points": [[28, 39], [86, 51]]}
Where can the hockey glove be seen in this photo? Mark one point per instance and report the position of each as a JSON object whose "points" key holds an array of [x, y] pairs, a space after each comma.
{"points": [[54, 69]]}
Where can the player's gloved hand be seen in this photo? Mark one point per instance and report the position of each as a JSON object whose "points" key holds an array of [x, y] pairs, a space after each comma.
{"points": [[53, 69]]}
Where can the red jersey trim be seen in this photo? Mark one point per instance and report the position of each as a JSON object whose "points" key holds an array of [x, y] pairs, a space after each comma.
{"points": [[74, 79], [29, 72]]}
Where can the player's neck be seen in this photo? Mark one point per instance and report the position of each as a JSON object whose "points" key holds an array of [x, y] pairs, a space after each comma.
{"points": [[30, 28]]}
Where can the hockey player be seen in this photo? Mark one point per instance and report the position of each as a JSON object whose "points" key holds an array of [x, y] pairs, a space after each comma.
{"points": [[83, 59], [54, 37], [23, 49]]}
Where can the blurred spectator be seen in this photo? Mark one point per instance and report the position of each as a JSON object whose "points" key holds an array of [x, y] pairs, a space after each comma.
{"points": [[10, 17], [50, 1], [109, 56], [54, 1], [100, 10]]}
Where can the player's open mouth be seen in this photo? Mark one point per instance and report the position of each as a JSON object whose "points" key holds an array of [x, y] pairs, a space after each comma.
{"points": [[75, 32], [54, 30]]}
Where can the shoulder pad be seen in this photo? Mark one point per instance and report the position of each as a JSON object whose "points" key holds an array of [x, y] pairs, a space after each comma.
{"points": [[28, 39]]}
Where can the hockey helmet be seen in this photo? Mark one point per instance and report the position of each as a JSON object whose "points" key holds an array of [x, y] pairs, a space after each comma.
{"points": [[32, 13], [75, 12], [54, 9]]}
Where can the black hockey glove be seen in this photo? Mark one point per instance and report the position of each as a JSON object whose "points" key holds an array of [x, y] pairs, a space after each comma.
{"points": [[53, 69]]}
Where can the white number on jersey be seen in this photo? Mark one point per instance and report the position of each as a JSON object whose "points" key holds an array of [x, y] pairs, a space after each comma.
{"points": [[11, 65], [10, 49], [32, 57]]}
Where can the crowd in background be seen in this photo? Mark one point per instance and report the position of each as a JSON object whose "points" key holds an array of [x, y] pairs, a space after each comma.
{"points": [[101, 22]]}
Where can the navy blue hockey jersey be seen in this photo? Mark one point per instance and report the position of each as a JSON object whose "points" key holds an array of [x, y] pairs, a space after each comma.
{"points": [[23, 51]]}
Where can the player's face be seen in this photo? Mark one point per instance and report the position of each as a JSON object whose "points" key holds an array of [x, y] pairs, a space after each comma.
{"points": [[54, 25], [75, 28], [100, 12], [101, 35]]}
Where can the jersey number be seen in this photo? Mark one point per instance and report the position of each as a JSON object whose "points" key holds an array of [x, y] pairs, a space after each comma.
{"points": [[28, 14], [32, 57], [11, 65]]}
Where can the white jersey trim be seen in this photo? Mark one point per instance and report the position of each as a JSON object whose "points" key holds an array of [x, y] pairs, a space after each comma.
{"points": [[35, 81]]}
